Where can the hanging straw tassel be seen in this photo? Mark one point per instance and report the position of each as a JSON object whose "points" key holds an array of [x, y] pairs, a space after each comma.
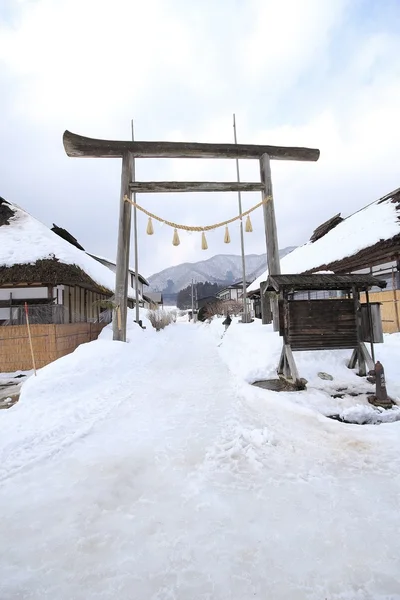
{"points": [[227, 238], [175, 239], [204, 245], [150, 228], [249, 227]]}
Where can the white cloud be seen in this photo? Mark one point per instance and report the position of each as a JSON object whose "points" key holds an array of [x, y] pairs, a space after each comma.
{"points": [[296, 73], [287, 37], [84, 58]]}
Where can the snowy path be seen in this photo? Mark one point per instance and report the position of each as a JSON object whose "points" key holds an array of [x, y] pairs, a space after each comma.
{"points": [[181, 482]]}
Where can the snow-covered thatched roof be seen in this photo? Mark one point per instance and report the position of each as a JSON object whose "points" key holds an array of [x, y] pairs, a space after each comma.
{"points": [[31, 252], [111, 264], [366, 237]]}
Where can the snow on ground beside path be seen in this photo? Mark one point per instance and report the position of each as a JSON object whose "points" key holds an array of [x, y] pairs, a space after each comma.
{"points": [[195, 485], [252, 353], [69, 396]]}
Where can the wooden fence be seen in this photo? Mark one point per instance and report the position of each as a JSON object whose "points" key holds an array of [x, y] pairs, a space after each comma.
{"points": [[390, 310], [49, 343]]}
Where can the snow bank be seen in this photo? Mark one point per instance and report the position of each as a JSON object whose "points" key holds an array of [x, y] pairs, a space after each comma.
{"points": [[185, 482], [70, 395], [252, 352]]}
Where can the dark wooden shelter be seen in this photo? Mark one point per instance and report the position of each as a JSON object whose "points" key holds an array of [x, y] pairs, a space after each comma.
{"points": [[341, 322]]}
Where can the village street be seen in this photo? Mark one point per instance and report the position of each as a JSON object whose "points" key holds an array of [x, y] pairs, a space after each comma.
{"points": [[153, 470]]}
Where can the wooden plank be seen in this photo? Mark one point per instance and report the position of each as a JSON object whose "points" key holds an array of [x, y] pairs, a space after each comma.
{"points": [[266, 315], [350, 335], [77, 145], [366, 357], [328, 320], [326, 340], [291, 363], [353, 359], [152, 187], [281, 364], [274, 267], [309, 345], [122, 265]]}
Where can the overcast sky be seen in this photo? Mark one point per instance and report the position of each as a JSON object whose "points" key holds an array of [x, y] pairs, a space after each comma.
{"points": [[317, 73]]}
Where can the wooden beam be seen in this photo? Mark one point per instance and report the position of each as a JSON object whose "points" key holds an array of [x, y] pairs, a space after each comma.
{"points": [[274, 267], [151, 187], [122, 265], [78, 145], [265, 298], [291, 364]]}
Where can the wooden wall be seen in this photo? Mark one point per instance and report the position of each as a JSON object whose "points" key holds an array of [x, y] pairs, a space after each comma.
{"points": [[49, 343], [82, 304], [319, 324], [390, 309]]}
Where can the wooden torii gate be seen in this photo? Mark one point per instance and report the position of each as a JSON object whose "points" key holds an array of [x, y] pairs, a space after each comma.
{"points": [[80, 146]]}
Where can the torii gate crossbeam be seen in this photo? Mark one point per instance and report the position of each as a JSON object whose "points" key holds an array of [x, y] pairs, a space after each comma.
{"points": [[80, 146]]}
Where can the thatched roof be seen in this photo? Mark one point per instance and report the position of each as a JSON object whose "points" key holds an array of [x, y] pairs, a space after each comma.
{"points": [[67, 236], [325, 227], [49, 272], [31, 253], [155, 297], [112, 265], [369, 237], [5, 212]]}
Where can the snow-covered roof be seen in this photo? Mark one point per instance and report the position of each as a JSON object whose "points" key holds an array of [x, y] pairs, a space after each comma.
{"points": [[25, 240], [375, 223], [103, 259]]}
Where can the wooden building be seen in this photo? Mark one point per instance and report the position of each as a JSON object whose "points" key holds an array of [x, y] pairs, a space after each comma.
{"points": [[58, 280], [366, 242], [156, 299], [232, 292], [326, 323], [143, 283]]}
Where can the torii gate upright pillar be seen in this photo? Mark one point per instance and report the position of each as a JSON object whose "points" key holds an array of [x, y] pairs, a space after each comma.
{"points": [[271, 235], [122, 262]]}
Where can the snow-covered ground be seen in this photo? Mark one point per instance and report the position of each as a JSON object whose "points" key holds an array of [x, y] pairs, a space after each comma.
{"points": [[154, 470], [252, 352]]}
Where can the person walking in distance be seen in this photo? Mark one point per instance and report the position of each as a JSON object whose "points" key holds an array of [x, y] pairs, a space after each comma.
{"points": [[227, 321]]}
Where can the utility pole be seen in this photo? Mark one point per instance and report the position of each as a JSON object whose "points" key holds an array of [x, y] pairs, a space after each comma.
{"points": [[196, 299], [192, 302], [136, 240], [244, 318], [274, 265]]}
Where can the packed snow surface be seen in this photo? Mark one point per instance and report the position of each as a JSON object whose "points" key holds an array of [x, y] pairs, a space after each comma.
{"points": [[153, 470]]}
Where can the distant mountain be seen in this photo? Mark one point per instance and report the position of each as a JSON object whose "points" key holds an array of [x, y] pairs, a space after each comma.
{"points": [[221, 269]]}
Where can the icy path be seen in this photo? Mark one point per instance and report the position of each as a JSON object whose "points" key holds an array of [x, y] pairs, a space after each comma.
{"points": [[182, 483]]}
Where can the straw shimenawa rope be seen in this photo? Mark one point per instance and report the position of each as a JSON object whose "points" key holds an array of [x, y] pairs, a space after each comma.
{"points": [[193, 227]]}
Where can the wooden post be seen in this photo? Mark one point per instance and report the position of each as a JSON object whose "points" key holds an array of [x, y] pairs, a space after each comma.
{"points": [[30, 338], [136, 241], [124, 234], [362, 370], [395, 305], [371, 329], [274, 267], [265, 299]]}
